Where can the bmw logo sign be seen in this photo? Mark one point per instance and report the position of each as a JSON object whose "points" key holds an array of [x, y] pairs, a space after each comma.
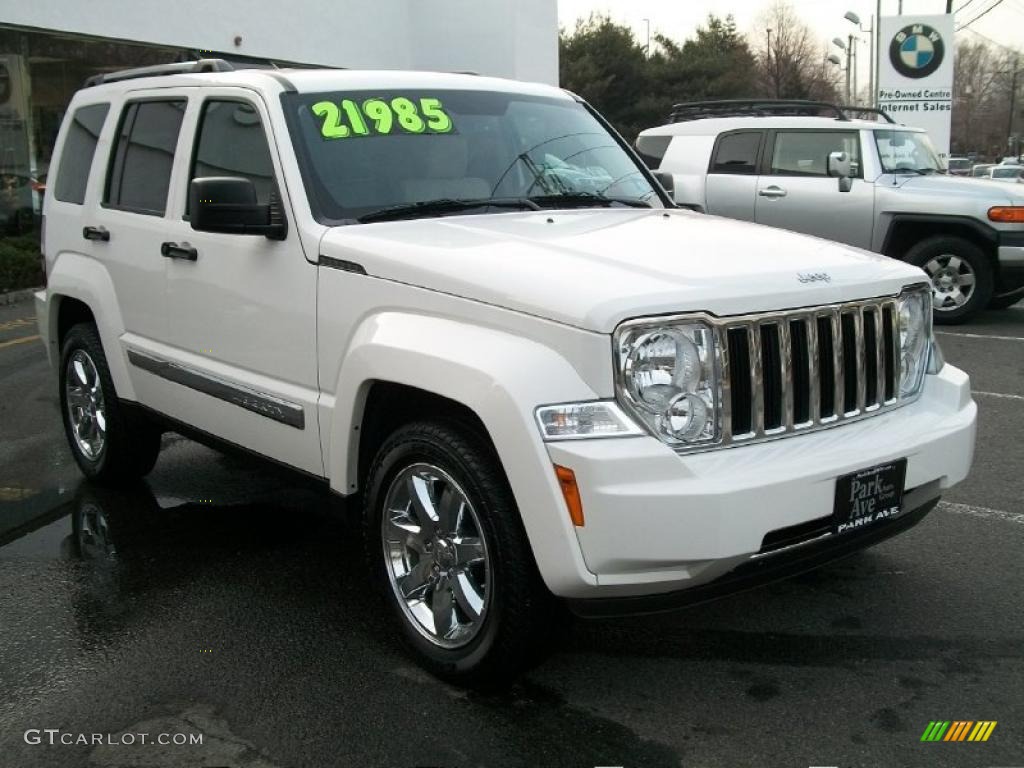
{"points": [[917, 51]]}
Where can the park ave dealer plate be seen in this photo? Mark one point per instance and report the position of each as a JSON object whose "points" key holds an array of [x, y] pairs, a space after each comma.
{"points": [[868, 496]]}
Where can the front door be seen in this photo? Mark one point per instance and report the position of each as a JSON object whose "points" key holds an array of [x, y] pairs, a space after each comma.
{"points": [[241, 309], [795, 191]]}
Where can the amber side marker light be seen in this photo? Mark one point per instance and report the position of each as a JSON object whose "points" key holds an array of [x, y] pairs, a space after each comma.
{"points": [[1008, 214], [571, 492]]}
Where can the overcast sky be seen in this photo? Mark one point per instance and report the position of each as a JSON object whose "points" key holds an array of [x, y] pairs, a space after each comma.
{"points": [[678, 18]]}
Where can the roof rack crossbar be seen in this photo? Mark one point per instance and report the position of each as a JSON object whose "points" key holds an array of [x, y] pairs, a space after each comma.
{"points": [[858, 110], [698, 110], [158, 70]]}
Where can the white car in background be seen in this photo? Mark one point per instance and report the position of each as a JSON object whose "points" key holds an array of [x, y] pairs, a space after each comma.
{"points": [[1013, 174]]}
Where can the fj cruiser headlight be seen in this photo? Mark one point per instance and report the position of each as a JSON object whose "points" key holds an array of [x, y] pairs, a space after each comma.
{"points": [[668, 380], [914, 309]]}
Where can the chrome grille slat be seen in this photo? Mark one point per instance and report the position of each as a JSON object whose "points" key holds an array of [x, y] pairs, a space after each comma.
{"points": [[858, 335], [879, 355], [795, 341], [785, 356], [756, 379], [839, 372], [815, 388]]}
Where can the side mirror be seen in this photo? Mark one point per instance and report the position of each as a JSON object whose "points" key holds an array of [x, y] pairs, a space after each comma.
{"points": [[228, 205], [667, 181], [839, 166]]}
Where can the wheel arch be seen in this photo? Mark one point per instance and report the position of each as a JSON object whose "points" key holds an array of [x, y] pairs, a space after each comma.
{"points": [[906, 230], [79, 289], [484, 378]]}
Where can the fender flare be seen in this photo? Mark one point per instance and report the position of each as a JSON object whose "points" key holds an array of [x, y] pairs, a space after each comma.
{"points": [[75, 276], [499, 376]]}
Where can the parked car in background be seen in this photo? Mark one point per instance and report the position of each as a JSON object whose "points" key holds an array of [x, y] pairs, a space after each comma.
{"points": [[1007, 173], [980, 171], [809, 167], [959, 166]]}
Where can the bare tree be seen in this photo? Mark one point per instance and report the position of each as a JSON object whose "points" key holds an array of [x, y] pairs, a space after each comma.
{"points": [[983, 77], [791, 62]]}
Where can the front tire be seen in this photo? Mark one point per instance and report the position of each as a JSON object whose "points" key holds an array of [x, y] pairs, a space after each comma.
{"points": [[960, 274], [109, 444], [447, 548]]}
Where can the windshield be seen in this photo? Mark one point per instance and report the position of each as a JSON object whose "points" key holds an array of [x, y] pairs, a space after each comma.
{"points": [[364, 153], [959, 164], [906, 151], [1006, 173]]}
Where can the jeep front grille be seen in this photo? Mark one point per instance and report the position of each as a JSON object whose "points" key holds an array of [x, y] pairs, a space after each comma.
{"points": [[785, 372]]}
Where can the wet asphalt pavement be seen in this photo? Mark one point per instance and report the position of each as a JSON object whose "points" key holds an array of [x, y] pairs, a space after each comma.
{"points": [[226, 600]]}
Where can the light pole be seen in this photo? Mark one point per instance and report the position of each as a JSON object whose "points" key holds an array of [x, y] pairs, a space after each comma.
{"points": [[853, 18], [647, 48], [839, 43]]}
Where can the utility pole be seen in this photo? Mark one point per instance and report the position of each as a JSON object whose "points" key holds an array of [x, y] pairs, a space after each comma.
{"points": [[849, 69], [1013, 102], [876, 54], [949, 6]]}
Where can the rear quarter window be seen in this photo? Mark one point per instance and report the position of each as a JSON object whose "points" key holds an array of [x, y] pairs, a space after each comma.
{"points": [[652, 149], [84, 129]]}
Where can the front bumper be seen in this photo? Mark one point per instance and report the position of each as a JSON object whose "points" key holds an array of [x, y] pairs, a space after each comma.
{"points": [[657, 522]]}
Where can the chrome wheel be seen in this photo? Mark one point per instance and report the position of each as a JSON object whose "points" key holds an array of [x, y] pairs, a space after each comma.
{"points": [[436, 555], [953, 281], [86, 410]]}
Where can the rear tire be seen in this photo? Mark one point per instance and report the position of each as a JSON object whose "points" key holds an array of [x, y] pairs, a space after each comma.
{"points": [[452, 559], [109, 444], [960, 273]]}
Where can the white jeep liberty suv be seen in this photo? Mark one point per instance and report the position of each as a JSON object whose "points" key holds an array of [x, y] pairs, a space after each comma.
{"points": [[466, 302]]}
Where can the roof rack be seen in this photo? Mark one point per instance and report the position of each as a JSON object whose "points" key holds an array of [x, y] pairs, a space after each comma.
{"points": [[853, 109], [701, 110], [179, 68]]}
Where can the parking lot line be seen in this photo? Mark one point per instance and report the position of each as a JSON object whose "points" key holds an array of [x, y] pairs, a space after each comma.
{"points": [[999, 394], [22, 340], [985, 512], [979, 336]]}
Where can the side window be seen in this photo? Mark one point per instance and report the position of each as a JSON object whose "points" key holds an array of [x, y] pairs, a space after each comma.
{"points": [[652, 149], [79, 148], [805, 153], [143, 156], [736, 153], [231, 142]]}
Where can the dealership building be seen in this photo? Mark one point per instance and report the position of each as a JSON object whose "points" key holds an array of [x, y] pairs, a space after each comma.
{"points": [[49, 47]]}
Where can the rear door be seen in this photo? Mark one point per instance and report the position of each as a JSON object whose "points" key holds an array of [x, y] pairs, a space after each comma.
{"points": [[732, 174], [795, 191], [132, 213]]}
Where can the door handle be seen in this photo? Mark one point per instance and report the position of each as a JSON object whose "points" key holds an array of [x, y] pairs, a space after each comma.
{"points": [[96, 233], [176, 251], [772, 192]]}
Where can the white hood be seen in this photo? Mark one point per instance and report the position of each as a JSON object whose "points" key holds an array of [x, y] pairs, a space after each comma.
{"points": [[595, 268]]}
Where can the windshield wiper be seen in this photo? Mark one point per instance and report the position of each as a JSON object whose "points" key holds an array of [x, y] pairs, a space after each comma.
{"points": [[446, 205], [918, 171], [576, 199]]}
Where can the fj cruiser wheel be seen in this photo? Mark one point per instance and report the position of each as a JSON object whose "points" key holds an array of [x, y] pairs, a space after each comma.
{"points": [[447, 548], [960, 273], [108, 444]]}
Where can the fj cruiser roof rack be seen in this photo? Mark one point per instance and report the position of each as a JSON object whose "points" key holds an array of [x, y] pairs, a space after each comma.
{"points": [[177, 68], [701, 110], [871, 112]]}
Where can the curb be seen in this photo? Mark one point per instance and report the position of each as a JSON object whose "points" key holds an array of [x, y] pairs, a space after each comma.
{"points": [[14, 297]]}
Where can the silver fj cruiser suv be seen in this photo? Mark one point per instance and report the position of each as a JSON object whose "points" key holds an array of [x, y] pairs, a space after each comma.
{"points": [[814, 168]]}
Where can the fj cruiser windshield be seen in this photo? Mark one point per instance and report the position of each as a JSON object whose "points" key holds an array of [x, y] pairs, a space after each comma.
{"points": [[907, 151], [396, 154]]}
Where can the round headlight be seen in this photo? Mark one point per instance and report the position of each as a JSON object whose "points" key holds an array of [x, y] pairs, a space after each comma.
{"points": [[662, 365], [686, 417]]}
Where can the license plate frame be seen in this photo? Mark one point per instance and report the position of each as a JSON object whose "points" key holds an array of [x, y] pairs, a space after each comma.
{"points": [[868, 496]]}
